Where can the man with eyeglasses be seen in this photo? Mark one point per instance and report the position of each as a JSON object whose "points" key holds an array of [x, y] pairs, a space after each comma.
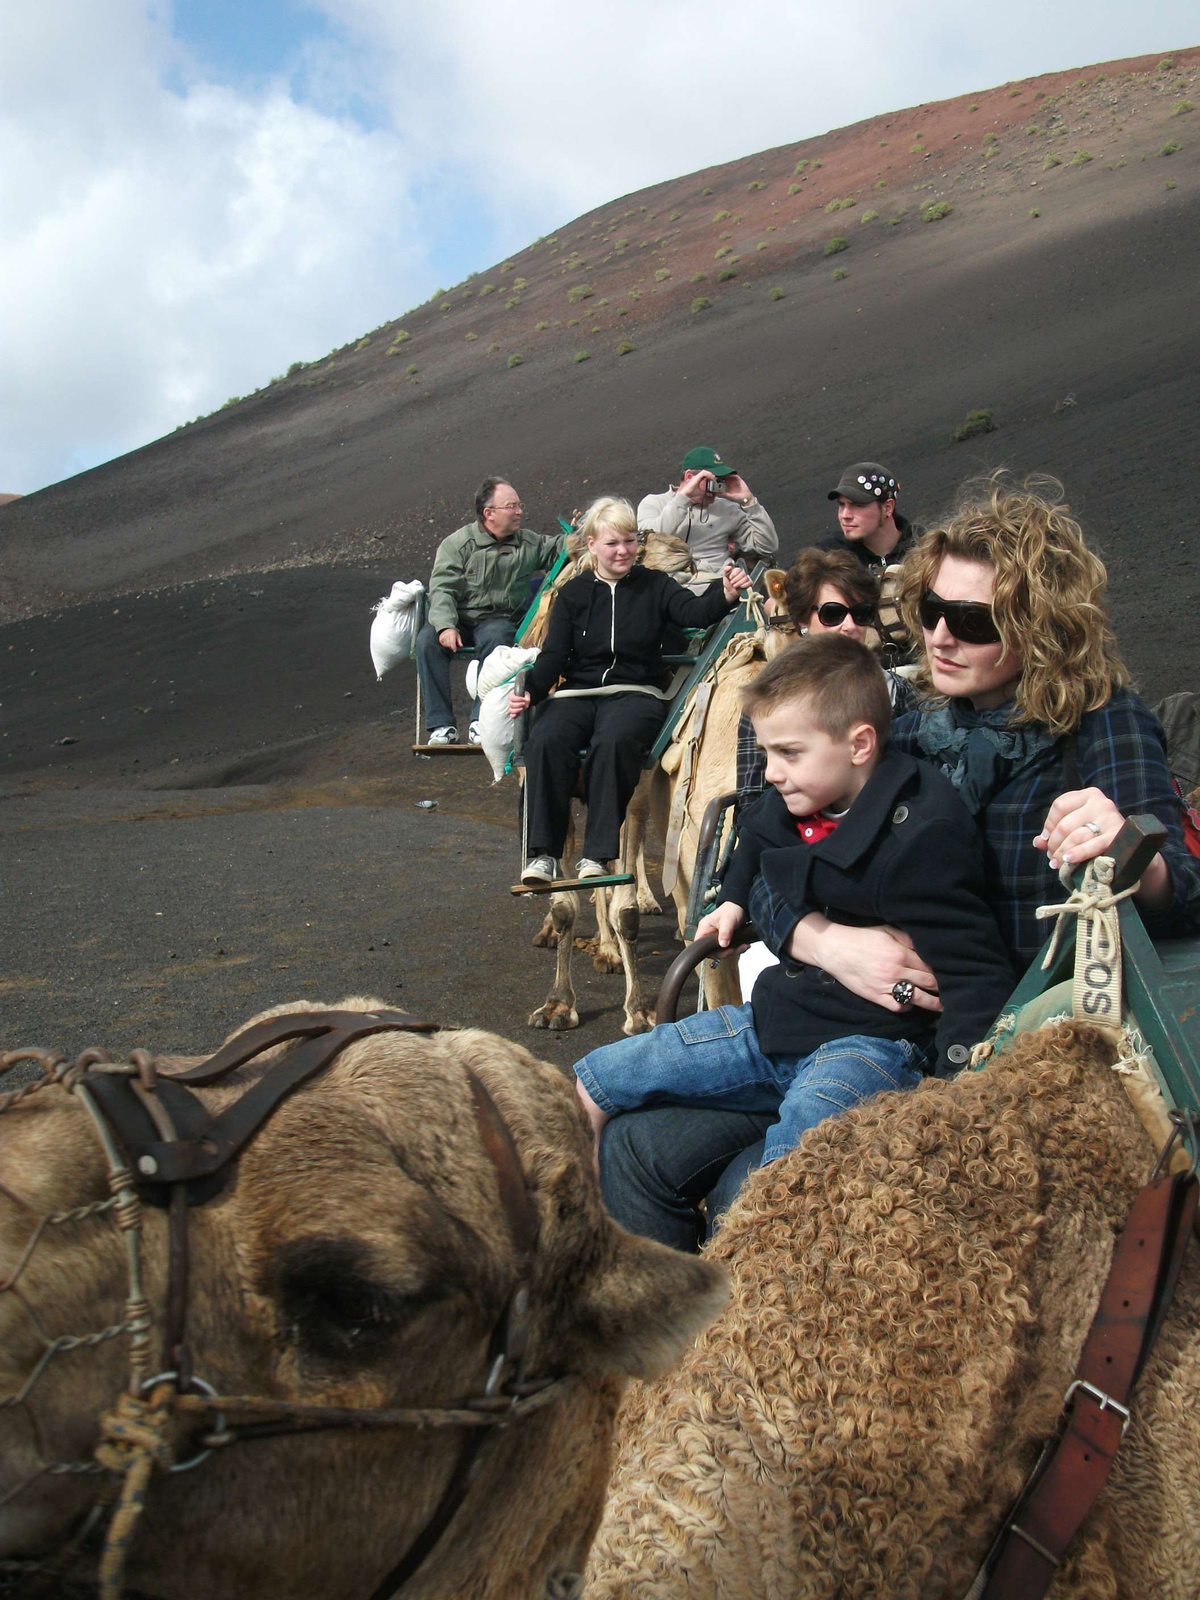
{"points": [[714, 511], [478, 592], [871, 527]]}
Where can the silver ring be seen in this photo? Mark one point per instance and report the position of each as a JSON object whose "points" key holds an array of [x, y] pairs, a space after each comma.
{"points": [[218, 1416], [1094, 826], [902, 993]]}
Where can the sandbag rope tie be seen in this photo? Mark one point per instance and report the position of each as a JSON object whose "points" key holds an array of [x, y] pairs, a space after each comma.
{"points": [[1093, 896]]}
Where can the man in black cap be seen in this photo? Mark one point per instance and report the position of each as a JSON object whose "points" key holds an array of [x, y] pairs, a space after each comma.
{"points": [[871, 526], [714, 511]]}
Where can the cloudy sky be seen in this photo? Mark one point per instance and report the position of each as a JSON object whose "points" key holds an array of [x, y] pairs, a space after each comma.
{"points": [[196, 194]]}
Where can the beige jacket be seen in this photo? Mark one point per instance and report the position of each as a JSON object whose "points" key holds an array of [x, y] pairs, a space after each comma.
{"points": [[710, 531]]}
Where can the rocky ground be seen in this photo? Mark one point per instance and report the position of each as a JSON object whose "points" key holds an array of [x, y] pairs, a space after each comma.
{"points": [[208, 804]]}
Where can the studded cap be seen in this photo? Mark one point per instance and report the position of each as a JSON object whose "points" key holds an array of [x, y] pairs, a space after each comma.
{"points": [[866, 483]]}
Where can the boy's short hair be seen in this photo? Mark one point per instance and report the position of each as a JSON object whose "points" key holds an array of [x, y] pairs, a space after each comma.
{"points": [[839, 679]]}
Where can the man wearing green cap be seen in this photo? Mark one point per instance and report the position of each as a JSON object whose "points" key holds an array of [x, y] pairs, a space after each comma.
{"points": [[714, 512]]}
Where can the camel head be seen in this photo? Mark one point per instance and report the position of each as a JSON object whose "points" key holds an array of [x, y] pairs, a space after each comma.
{"points": [[360, 1257], [775, 605]]}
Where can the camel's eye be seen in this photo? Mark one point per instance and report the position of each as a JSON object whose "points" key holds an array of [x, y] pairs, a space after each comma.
{"points": [[332, 1306]]}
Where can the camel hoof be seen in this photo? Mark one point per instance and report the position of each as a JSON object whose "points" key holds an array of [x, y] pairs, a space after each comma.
{"points": [[606, 961], [641, 1021], [555, 1016], [545, 939], [647, 904]]}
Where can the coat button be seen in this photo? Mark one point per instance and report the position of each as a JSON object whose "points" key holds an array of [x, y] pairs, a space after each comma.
{"points": [[959, 1054], [900, 815]]}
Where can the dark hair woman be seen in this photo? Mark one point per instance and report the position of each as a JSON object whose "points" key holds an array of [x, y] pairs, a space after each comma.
{"points": [[825, 591]]}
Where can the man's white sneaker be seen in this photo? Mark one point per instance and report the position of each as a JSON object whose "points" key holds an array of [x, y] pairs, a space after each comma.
{"points": [[473, 734], [587, 868], [443, 736], [542, 869]]}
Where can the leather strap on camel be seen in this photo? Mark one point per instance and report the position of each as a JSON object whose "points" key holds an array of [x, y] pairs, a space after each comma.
{"points": [[165, 1148], [1075, 1465]]}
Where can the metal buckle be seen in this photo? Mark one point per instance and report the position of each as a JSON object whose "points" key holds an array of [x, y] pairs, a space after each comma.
{"points": [[1107, 1403], [1185, 1126], [218, 1417]]}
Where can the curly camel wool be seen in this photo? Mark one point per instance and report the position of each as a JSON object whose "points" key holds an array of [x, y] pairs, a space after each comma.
{"points": [[912, 1287]]}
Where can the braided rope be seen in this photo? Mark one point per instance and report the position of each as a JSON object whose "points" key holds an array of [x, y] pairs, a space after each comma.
{"points": [[133, 1443]]}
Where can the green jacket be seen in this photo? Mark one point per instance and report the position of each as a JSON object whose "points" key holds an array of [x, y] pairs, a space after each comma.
{"points": [[477, 576]]}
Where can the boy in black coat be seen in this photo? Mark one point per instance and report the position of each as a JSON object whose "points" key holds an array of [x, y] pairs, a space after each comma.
{"points": [[867, 835]]}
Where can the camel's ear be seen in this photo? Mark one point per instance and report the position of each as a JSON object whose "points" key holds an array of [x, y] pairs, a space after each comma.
{"points": [[643, 1309]]}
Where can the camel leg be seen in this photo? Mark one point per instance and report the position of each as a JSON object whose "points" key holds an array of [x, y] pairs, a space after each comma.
{"points": [[721, 984], [639, 1014], [636, 821], [559, 1013], [603, 949], [547, 935]]}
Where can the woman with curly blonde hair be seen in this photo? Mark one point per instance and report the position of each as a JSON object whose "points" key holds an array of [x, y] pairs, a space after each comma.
{"points": [[1026, 708], [1029, 710]]}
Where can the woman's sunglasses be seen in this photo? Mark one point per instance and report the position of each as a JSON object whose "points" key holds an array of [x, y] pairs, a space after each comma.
{"points": [[968, 620], [832, 614]]}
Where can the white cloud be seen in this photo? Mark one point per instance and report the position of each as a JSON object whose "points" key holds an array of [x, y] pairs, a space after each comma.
{"points": [[558, 108], [170, 241], [165, 248]]}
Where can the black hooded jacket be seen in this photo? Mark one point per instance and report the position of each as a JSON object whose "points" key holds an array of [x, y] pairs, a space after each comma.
{"points": [[603, 634]]}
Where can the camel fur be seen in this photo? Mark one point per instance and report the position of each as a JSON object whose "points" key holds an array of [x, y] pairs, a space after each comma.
{"points": [[912, 1288], [711, 771], [360, 1257]]}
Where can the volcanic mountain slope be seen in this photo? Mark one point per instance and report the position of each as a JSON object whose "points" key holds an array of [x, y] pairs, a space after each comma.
{"points": [[1053, 284]]}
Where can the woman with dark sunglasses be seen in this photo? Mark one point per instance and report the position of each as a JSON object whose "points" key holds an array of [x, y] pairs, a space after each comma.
{"points": [[825, 591], [1026, 706]]}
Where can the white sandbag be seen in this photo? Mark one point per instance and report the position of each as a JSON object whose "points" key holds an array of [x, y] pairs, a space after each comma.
{"points": [[493, 686], [502, 666], [394, 628]]}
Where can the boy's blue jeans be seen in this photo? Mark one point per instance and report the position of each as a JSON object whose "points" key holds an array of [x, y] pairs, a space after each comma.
{"points": [[713, 1059]]}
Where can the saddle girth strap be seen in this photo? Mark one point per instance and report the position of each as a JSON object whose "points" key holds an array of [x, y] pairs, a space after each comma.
{"points": [[1075, 1466]]}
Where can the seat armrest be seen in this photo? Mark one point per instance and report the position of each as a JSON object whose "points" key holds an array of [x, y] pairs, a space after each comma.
{"points": [[686, 962]]}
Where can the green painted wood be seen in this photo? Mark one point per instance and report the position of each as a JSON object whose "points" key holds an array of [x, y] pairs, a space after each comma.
{"points": [[561, 885], [738, 621], [1162, 998], [1162, 989], [542, 587]]}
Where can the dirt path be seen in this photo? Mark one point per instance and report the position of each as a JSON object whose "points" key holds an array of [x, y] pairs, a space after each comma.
{"points": [[167, 920]]}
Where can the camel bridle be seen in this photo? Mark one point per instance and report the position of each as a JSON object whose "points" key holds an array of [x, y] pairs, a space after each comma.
{"points": [[166, 1149]]}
